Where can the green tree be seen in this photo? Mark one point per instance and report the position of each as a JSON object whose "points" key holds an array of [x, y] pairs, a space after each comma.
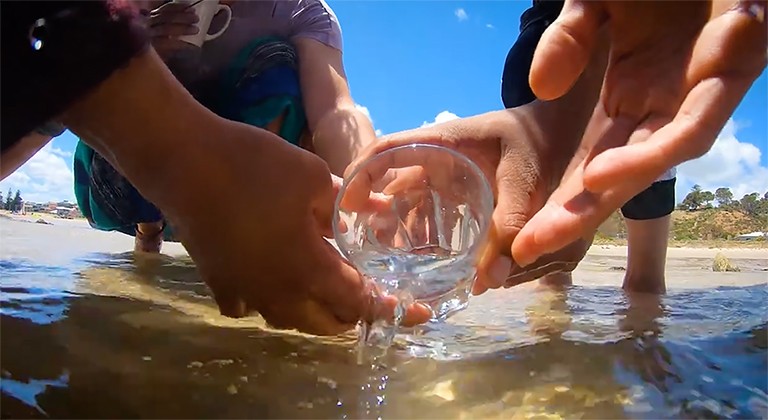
{"points": [[762, 207], [17, 201], [694, 200], [8, 200], [750, 204], [724, 197]]}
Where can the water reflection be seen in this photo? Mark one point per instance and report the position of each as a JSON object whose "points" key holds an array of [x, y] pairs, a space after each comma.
{"points": [[113, 335]]}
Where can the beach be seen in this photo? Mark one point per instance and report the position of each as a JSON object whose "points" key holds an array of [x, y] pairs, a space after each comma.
{"points": [[90, 330], [691, 266]]}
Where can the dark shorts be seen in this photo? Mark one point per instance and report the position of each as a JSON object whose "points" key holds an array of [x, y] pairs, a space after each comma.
{"points": [[656, 201]]}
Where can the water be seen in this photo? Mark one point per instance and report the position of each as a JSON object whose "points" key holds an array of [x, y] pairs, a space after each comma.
{"points": [[430, 275], [440, 278], [90, 331]]}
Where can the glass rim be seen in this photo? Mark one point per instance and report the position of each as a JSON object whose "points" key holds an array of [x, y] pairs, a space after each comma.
{"points": [[486, 194]]}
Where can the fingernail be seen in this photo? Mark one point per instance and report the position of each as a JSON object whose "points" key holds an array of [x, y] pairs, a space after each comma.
{"points": [[499, 270]]}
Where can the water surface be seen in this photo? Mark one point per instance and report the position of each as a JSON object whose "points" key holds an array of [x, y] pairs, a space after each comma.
{"points": [[88, 330]]}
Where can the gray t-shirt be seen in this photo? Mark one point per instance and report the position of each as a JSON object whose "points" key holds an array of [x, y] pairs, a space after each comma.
{"points": [[252, 19]]}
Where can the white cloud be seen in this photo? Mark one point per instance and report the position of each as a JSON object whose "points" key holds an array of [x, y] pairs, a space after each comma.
{"points": [[461, 14], [730, 163], [442, 117], [46, 177], [489, 26], [367, 113]]}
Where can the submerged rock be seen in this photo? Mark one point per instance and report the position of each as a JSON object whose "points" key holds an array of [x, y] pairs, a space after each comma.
{"points": [[721, 263]]}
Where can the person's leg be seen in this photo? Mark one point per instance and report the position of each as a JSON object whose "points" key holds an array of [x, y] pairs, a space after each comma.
{"points": [[149, 237], [110, 202], [646, 255], [647, 216]]}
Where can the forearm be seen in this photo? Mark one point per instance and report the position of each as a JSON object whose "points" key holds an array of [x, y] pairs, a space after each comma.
{"points": [[22, 151], [340, 135], [146, 125], [156, 134]]}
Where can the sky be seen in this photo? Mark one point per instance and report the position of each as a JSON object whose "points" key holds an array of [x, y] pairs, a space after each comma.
{"points": [[416, 62]]}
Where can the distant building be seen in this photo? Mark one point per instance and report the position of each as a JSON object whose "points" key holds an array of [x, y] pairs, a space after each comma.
{"points": [[752, 236]]}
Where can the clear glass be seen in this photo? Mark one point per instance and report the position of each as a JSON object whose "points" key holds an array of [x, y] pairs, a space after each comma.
{"points": [[422, 240]]}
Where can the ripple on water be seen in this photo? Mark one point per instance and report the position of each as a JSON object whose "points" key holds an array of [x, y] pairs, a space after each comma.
{"points": [[34, 292], [591, 352]]}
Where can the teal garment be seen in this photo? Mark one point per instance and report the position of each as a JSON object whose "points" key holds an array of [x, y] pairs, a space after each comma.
{"points": [[261, 84]]}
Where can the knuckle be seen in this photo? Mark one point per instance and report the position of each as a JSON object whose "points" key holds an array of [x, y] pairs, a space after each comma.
{"points": [[509, 224]]}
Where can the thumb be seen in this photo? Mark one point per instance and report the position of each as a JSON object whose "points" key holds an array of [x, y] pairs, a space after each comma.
{"points": [[565, 48], [517, 182]]}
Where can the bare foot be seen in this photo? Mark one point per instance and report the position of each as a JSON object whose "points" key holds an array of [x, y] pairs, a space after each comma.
{"points": [[149, 237]]}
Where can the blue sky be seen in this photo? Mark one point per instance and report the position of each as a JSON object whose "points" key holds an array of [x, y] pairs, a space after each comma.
{"points": [[409, 61]]}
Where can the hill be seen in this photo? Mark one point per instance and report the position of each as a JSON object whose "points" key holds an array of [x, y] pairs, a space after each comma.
{"points": [[698, 219], [698, 225]]}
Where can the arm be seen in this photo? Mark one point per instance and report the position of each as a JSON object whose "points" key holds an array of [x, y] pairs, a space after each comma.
{"points": [[21, 152], [340, 130]]}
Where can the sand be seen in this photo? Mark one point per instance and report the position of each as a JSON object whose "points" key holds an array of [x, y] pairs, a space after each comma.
{"points": [[687, 267]]}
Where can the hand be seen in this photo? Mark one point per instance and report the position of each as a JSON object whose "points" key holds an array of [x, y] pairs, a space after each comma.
{"points": [[167, 23], [522, 167], [673, 80], [258, 244], [264, 251]]}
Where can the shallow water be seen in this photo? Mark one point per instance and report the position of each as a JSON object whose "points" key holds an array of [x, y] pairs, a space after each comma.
{"points": [[90, 331]]}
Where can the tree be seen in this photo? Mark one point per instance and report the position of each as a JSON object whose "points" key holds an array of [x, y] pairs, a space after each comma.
{"points": [[1, 200], [750, 204], [8, 200], [724, 197], [17, 202], [697, 199]]}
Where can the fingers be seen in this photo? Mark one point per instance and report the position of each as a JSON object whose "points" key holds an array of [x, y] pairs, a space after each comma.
{"points": [[434, 165], [565, 259], [517, 179], [365, 178], [565, 48], [722, 70], [568, 214], [415, 314]]}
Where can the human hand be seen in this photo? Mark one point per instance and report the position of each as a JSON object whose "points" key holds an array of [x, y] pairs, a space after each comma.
{"points": [[169, 22], [692, 72], [259, 245], [522, 167], [264, 251]]}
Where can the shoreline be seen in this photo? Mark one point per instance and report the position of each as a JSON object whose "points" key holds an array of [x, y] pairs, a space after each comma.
{"points": [[601, 248]]}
